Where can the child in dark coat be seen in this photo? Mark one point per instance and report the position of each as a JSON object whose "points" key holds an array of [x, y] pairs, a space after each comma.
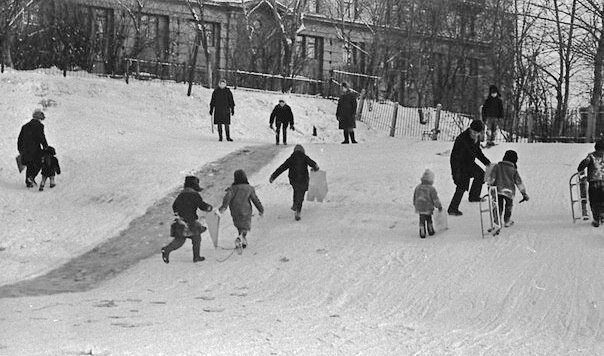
{"points": [[185, 208], [297, 164], [50, 167], [239, 198], [425, 199], [504, 175], [594, 162]]}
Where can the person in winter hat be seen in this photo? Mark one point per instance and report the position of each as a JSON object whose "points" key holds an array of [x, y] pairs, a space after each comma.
{"points": [[425, 199], [504, 175], [30, 144], [466, 150], [346, 114], [222, 106], [239, 198], [282, 116], [594, 162], [297, 164], [185, 208], [50, 167], [492, 113]]}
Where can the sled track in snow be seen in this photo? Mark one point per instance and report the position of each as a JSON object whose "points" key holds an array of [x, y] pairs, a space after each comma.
{"points": [[143, 237]]}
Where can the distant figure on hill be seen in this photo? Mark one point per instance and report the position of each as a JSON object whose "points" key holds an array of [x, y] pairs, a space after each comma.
{"points": [[492, 113], [30, 143], [466, 150], [346, 113], [222, 106], [282, 116]]}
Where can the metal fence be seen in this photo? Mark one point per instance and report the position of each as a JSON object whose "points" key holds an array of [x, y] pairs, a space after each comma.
{"points": [[272, 82]]}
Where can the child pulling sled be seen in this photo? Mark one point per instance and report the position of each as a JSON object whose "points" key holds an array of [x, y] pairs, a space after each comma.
{"points": [[594, 162], [504, 175]]}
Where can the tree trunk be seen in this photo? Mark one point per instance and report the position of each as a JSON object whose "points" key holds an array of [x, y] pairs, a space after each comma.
{"points": [[596, 96]]}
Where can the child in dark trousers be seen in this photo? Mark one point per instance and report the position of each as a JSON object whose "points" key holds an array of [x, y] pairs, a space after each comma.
{"points": [[504, 175], [185, 207], [239, 198], [425, 199], [594, 162], [50, 167], [297, 164]]}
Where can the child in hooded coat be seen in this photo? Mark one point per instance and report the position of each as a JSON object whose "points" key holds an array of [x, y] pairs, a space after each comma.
{"points": [[594, 162], [297, 164], [504, 175], [50, 167], [239, 198], [425, 199]]}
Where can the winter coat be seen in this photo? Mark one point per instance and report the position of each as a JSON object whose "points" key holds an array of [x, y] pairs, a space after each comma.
{"points": [[492, 107], [346, 111], [594, 162], [187, 203], [282, 115], [222, 106], [239, 199], [504, 175], [465, 151], [50, 165], [425, 199], [297, 164], [31, 141]]}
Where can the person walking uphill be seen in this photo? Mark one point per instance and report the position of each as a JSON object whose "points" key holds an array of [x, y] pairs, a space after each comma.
{"points": [[346, 112], [466, 150], [185, 207], [297, 164], [492, 113], [282, 116], [30, 144], [222, 106]]}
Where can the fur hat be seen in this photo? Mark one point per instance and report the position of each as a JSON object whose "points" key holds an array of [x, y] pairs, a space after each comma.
{"points": [[50, 150], [38, 114], [477, 126], [511, 156], [493, 89], [240, 177], [428, 177], [193, 183], [599, 146], [299, 148]]}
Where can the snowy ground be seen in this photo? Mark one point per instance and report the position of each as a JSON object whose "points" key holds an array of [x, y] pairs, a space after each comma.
{"points": [[121, 147], [353, 277]]}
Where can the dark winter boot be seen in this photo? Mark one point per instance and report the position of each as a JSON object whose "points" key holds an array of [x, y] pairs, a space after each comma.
{"points": [[227, 130], [595, 223], [345, 137], [352, 137], [219, 132], [422, 232], [297, 216], [430, 228], [165, 255], [41, 188]]}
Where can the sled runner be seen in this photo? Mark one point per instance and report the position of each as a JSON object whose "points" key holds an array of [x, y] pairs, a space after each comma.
{"points": [[579, 196], [317, 186], [213, 222], [492, 208]]}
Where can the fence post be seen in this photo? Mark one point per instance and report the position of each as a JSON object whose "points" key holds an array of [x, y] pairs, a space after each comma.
{"points": [[591, 123], [437, 122], [529, 125], [127, 71], [394, 116], [330, 82]]}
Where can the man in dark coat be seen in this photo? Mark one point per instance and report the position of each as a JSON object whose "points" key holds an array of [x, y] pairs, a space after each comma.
{"points": [[222, 106], [492, 113], [466, 149], [282, 116], [30, 143], [297, 164], [346, 113]]}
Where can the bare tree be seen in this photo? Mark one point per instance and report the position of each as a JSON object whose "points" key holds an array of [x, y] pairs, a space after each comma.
{"points": [[10, 13], [197, 11]]}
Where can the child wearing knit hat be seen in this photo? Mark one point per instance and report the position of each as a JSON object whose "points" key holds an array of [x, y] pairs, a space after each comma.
{"points": [[504, 175], [425, 199]]}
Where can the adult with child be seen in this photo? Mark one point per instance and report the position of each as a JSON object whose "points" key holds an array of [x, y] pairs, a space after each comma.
{"points": [[282, 116], [346, 114], [466, 150], [492, 113], [222, 106], [30, 144], [594, 162]]}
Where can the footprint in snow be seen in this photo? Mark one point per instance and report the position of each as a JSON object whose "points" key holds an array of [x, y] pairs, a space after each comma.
{"points": [[203, 297], [284, 259], [106, 304], [213, 310], [239, 294], [159, 302]]}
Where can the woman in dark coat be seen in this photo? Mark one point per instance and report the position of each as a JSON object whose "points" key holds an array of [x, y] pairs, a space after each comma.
{"points": [[466, 150], [346, 112], [30, 143], [297, 164], [222, 106], [492, 113]]}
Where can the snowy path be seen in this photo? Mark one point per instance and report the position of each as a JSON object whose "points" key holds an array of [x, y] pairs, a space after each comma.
{"points": [[353, 277]]}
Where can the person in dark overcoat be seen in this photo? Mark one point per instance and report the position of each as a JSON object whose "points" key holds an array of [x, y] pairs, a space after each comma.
{"points": [[222, 106], [492, 113], [466, 150], [297, 164], [30, 143], [346, 114], [185, 208], [282, 117]]}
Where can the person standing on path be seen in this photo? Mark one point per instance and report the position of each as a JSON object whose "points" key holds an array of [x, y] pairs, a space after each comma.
{"points": [[492, 113], [346, 112], [466, 150], [30, 144], [222, 106], [282, 116]]}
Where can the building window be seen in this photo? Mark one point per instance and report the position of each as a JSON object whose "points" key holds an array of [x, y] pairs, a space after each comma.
{"points": [[148, 27], [210, 29], [311, 48], [314, 6], [350, 8]]}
